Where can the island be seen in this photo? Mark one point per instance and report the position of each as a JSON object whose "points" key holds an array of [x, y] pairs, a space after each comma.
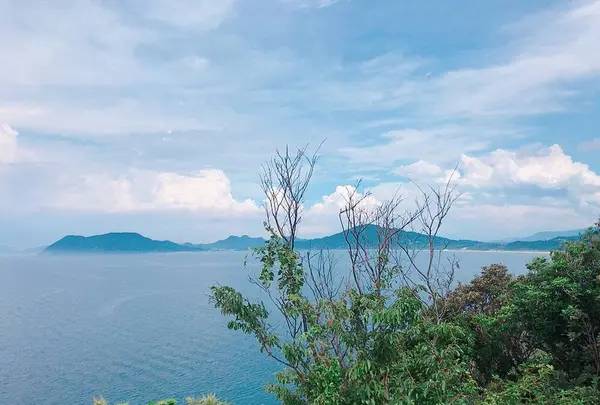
{"points": [[130, 242]]}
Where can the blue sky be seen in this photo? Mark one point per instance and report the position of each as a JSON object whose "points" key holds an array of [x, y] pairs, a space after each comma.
{"points": [[155, 115]]}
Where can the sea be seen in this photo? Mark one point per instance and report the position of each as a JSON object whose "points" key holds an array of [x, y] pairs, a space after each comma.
{"points": [[138, 328]]}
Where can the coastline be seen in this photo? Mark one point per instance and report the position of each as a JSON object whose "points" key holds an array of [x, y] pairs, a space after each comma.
{"points": [[543, 252]]}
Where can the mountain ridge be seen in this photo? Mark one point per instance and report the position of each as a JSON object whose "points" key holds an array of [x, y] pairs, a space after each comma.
{"points": [[115, 242], [131, 242], [548, 235]]}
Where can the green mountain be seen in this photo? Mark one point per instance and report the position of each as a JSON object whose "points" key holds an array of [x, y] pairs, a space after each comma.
{"points": [[136, 243], [243, 242], [539, 245], [549, 235], [115, 242], [370, 237]]}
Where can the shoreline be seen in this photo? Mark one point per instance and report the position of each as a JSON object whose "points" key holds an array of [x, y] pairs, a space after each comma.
{"points": [[84, 253], [544, 252]]}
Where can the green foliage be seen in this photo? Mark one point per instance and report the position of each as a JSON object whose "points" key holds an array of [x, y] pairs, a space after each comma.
{"points": [[497, 340], [539, 383], [209, 399], [558, 304], [481, 306], [508, 340], [357, 348]]}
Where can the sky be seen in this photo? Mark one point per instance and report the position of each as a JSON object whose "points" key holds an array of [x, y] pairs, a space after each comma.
{"points": [[155, 116]]}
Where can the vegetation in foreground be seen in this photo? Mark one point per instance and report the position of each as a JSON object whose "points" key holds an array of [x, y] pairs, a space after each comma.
{"points": [[205, 400], [393, 331]]}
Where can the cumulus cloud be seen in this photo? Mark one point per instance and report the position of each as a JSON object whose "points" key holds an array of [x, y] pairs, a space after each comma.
{"points": [[83, 69], [339, 199], [322, 217], [548, 169], [419, 169], [208, 191]]}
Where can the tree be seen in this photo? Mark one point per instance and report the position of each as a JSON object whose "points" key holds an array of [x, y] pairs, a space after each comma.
{"points": [[538, 384], [358, 336], [501, 345], [558, 304]]}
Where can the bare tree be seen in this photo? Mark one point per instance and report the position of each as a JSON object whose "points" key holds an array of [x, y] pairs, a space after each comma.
{"points": [[369, 232], [379, 244], [322, 279], [284, 181], [434, 277], [345, 315]]}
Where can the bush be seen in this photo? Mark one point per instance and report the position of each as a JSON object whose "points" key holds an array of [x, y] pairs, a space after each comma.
{"points": [[210, 399], [558, 304]]}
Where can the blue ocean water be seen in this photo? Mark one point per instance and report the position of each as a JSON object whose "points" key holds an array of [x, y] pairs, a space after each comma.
{"points": [[136, 328]]}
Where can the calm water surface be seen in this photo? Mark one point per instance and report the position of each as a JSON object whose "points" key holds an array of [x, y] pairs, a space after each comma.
{"points": [[136, 328]]}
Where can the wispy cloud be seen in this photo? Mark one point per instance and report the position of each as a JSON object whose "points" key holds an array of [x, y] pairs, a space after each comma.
{"points": [[312, 3], [442, 144], [8, 144], [543, 60], [198, 14], [590, 146], [150, 100], [472, 108]]}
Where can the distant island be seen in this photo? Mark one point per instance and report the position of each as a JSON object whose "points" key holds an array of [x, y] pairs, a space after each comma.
{"points": [[136, 243], [548, 235], [116, 242]]}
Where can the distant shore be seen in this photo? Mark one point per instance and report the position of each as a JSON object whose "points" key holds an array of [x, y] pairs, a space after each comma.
{"points": [[544, 252]]}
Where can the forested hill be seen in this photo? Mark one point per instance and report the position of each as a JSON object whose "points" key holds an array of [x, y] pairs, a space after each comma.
{"points": [[136, 243]]}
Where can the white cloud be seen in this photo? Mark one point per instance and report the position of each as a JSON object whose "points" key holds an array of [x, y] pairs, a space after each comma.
{"points": [[66, 42], [208, 191], [323, 217], [10, 150], [86, 42], [547, 55], [94, 192], [510, 220], [339, 199], [8, 144], [121, 117], [542, 70], [195, 14], [548, 169], [86, 68], [419, 169], [443, 144], [590, 146], [489, 216], [311, 3]]}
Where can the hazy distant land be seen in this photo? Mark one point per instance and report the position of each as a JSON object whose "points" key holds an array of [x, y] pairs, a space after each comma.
{"points": [[136, 243]]}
